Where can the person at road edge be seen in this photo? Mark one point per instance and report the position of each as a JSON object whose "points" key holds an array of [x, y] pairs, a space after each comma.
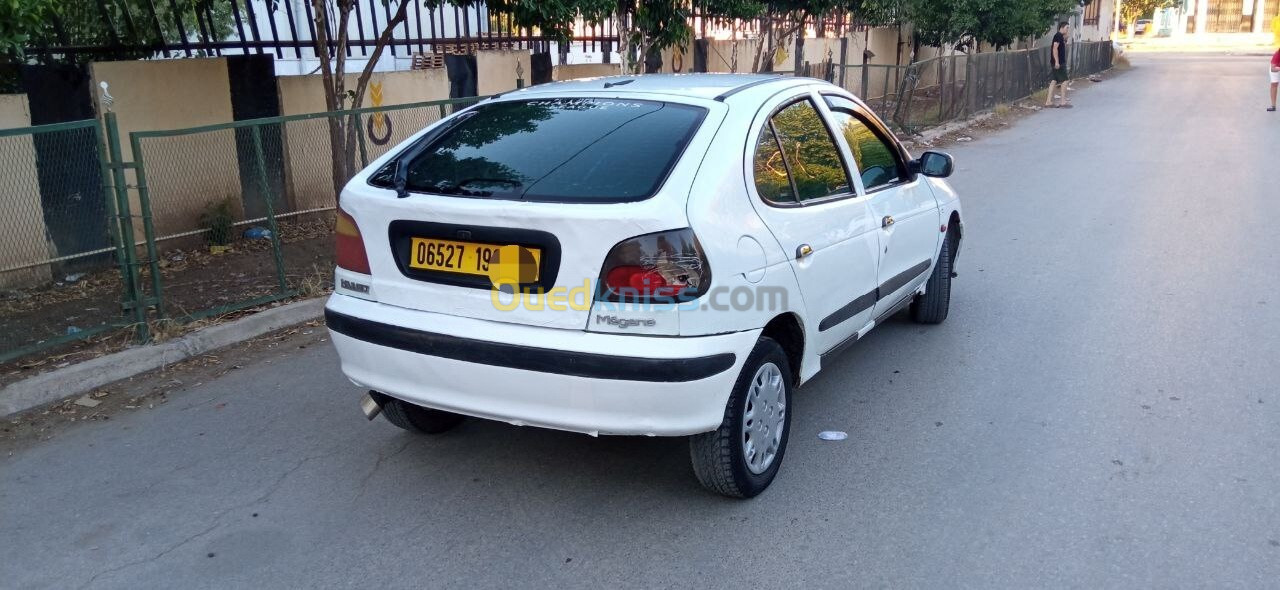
{"points": [[1275, 79], [1058, 54]]}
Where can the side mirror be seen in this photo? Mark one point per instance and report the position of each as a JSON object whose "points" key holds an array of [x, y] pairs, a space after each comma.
{"points": [[935, 164]]}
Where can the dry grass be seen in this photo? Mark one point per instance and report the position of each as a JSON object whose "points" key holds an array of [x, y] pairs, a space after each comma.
{"points": [[315, 284], [1002, 110]]}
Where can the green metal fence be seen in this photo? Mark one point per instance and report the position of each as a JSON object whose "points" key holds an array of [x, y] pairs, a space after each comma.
{"points": [[61, 255], [220, 218], [242, 212]]}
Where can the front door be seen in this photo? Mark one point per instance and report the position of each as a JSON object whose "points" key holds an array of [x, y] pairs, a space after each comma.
{"points": [[810, 203], [904, 207]]}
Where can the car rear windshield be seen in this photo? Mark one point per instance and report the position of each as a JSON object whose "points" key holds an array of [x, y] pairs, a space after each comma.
{"points": [[554, 149]]}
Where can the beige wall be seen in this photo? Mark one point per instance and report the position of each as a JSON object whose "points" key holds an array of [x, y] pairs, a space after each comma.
{"points": [[14, 111], [22, 229], [304, 94], [573, 72], [184, 173], [308, 156], [721, 55], [496, 70]]}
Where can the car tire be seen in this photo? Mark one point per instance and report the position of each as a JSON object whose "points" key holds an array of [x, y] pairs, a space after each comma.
{"points": [[415, 418], [760, 403], [932, 307]]}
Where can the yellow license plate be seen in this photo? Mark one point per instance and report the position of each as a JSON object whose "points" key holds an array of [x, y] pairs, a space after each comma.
{"points": [[469, 258]]}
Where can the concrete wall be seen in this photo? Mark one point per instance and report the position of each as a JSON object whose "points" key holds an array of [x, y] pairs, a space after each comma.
{"points": [[496, 70], [22, 229], [184, 173], [1106, 23], [14, 111], [305, 94], [308, 157], [573, 72]]}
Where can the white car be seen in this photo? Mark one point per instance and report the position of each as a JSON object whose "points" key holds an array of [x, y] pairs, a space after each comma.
{"points": [[661, 255]]}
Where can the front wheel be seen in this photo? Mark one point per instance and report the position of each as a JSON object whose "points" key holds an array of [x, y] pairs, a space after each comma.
{"points": [[741, 457], [932, 307]]}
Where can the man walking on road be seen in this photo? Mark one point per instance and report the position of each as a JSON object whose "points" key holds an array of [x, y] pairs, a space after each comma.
{"points": [[1058, 53], [1275, 78]]}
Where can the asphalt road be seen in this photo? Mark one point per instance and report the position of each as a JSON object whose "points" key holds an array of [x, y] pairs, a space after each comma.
{"points": [[1102, 409]]}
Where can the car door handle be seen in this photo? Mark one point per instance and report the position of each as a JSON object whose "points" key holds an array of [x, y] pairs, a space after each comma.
{"points": [[803, 251], [887, 221]]}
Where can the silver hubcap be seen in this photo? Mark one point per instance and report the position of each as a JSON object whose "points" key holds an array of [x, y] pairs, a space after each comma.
{"points": [[764, 418]]}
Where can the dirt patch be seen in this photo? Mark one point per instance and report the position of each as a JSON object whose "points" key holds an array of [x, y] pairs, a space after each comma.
{"points": [[147, 391], [193, 280]]}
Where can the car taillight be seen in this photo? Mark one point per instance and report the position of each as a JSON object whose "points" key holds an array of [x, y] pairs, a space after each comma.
{"points": [[350, 246], [666, 266]]}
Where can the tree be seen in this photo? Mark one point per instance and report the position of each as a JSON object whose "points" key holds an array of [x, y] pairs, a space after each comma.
{"points": [[133, 29], [19, 19], [1001, 23], [649, 27], [942, 23], [551, 17]]}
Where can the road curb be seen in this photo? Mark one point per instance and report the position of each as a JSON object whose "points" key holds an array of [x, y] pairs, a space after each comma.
{"points": [[933, 133], [83, 377]]}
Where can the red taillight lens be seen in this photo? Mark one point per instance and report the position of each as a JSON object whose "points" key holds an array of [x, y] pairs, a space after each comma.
{"points": [[642, 282], [350, 246], [664, 267]]}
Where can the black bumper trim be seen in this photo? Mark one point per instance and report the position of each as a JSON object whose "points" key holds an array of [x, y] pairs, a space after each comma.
{"points": [[528, 358]]}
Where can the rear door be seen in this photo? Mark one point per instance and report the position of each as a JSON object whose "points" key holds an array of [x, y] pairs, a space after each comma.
{"points": [[550, 183], [904, 207], [810, 203]]}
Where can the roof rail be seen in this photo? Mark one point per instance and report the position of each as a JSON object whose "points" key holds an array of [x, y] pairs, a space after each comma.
{"points": [[735, 90]]}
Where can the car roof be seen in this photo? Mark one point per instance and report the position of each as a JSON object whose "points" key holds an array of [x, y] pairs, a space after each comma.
{"points": [[708, 86]]}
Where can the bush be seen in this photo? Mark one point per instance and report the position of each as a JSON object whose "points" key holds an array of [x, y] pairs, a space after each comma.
{"points": [[218, 222]]}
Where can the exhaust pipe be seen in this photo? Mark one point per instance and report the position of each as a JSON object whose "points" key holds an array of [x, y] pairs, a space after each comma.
{"points": [[370, 404]]}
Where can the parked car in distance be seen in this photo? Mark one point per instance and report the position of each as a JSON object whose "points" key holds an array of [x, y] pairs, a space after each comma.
{"points": [[661, 255], [1140, 28]]}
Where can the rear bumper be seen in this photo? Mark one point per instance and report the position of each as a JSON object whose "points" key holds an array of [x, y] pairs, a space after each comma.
{"points": [[527, 375]]}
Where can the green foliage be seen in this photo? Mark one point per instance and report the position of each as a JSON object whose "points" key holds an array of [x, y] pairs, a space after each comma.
{"points": [[550, 17], [39, 23], [879, 13], [18, 20], [218, 220], [998, 22]]}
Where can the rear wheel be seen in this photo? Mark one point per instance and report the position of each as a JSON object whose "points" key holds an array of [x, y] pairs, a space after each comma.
{"points": [[415, 418], [932, 307], [741, 457]]}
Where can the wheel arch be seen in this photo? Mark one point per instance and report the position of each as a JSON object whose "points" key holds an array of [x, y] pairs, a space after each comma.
{"points": [[787, 330]]}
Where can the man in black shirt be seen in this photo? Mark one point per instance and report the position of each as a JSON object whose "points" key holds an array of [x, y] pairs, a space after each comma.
{"points": [[1058, 57]]}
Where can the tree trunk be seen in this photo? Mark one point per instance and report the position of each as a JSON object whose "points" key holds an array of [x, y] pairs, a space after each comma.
{"points": [[653, 60], [320, 11], [343, 140]]}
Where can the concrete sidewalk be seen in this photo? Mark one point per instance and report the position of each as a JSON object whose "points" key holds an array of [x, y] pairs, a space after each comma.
{"points": [[81, 378]]}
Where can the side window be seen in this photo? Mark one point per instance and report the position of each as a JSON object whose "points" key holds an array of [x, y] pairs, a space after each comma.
{"points": [[772, 180], [877, 160], [796, 158]]}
